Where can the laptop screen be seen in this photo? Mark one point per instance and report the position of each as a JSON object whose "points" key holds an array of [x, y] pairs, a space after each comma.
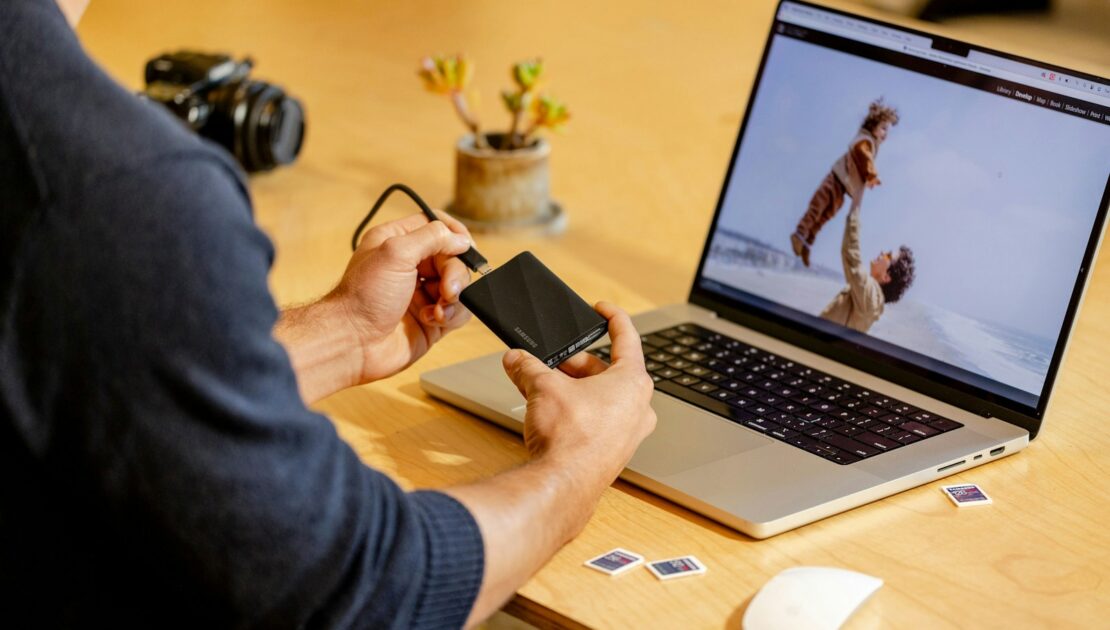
{"points": [[932, 203]]}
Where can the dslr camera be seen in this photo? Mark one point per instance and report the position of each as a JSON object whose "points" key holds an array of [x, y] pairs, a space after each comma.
{"points": [[257, 122]]}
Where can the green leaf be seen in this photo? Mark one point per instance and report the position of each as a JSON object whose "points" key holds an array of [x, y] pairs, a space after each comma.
{"points": [[527, 73]]}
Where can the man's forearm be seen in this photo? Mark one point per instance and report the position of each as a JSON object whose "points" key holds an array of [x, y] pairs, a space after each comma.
{"points": [[322, 347], [525, 516]]}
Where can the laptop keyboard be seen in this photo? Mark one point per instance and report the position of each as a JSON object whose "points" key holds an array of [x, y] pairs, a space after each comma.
{"points": [[788, 401]]}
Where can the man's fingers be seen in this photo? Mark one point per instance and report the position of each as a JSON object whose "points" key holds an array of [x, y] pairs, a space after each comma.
{"points": [[378, 234], [582, 365], [406, 251], [626, 341], [456, 226], [454, 277], [524, 370]]}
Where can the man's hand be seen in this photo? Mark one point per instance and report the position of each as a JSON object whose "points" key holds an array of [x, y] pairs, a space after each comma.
{"points": [[582, 426], [590, 415], [401, 291], [398, 296]]}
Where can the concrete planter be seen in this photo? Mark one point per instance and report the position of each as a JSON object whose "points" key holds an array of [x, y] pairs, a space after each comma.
{"points": [[504, 190]]}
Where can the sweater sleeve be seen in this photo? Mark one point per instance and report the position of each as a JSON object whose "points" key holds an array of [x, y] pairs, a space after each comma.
{"points": [[864, 158], [177, 415], [852, 258]]}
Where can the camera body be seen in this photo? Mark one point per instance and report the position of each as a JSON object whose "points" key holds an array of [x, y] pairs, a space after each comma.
{"points": [[257, 122]]}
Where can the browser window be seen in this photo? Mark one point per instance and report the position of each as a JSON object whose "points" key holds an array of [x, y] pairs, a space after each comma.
{"points": [[975, 178]]}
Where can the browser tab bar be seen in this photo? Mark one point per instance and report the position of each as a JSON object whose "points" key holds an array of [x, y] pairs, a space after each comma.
{"points": [[848, 27], [943, 51]]}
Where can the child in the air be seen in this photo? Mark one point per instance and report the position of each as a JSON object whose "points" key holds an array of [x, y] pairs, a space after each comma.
{"points": [[852, 173]]}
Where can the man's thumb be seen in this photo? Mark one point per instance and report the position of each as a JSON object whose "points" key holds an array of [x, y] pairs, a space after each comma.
{"points": [[523, 369]]}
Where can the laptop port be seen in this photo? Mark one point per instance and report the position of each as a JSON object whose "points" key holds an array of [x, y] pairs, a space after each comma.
{"points": [[944, 468], [997, 451]]}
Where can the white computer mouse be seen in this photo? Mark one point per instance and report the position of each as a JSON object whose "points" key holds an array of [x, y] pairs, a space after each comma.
{"points": [[809, 597]]}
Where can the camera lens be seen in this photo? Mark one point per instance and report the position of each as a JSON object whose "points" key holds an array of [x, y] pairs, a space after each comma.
{"points": [[281, 127], [269, 126]]}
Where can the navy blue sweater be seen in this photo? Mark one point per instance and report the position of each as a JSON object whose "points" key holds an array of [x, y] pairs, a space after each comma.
{"points": [[157, 465]]}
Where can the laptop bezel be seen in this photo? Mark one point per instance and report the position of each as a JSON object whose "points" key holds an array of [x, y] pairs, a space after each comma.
{"points": [[842, 348]]}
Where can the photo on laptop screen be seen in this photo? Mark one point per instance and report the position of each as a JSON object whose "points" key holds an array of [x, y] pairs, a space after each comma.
{"points": [[974, 198]]}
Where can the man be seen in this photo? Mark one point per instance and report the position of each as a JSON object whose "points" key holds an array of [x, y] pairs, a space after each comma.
{"points": [[860, 304], [159, 467]]}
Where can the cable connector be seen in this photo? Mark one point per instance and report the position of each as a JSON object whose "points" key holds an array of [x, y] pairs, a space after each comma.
{"points": [[471, 258], [475, 261]]}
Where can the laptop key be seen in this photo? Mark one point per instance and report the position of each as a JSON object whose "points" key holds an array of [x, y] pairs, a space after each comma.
{"points": [[864, 422], [848, 430], [783, 433], [789, 406], [667, 372], [892, 419], [924, 416], [919, 429], [651, 366], [848, 444], [796, 424], [876, 441], [695, 357], [698, 371], [680, 364], [705, 388], [904, 437], [660, 356], [762, 424], [944, 424], [843, 458], [779, 417], [655, 341], [703, 401], [741, 403], [723, 394], [686, 380], [801, 441], [817, 432], [904, 409], [675, 348], [713, 377]]}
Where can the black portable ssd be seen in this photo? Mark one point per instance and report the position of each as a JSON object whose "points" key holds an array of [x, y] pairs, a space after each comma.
{"points": [[529, 307]]}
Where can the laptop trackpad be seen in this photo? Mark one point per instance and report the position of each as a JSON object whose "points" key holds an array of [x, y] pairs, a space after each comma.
{"points": [[687, 437]]}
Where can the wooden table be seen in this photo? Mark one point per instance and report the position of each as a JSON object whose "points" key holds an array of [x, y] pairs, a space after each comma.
{"points": [[657, 90]]}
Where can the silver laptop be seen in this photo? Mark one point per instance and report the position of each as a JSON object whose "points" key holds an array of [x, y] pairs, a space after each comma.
{"points": [[818, 364]]}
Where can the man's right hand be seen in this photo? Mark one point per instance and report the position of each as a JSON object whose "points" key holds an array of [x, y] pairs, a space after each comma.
{"points": [[589, 415], [584, 422]]}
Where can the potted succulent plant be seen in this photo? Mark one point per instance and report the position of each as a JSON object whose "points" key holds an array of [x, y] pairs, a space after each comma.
{"points": [[501, 178]]}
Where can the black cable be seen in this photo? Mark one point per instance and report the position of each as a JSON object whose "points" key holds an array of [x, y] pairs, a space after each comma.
{"points": [[471, 258]]}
